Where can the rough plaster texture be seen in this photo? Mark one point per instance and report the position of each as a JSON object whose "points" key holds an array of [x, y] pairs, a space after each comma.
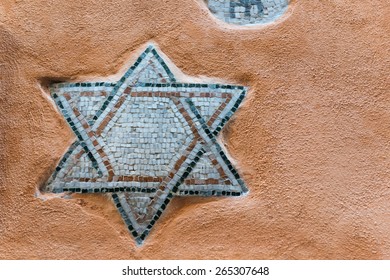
{"points": [[311, 139]]}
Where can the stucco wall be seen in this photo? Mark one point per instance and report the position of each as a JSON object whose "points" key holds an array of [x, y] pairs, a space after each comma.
{"points": [[311, 140]]}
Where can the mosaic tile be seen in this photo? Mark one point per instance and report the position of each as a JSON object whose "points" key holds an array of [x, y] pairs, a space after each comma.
{"points": [[146, 139], [244, 12]]}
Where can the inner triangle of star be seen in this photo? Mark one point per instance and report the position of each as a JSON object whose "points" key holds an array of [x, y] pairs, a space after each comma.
{"points": [[146, 139]]}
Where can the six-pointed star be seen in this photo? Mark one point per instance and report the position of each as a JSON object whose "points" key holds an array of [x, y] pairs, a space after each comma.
{"points": [[146, 139]]}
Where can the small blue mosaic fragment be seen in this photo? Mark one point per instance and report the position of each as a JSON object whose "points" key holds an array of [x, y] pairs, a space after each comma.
{"points": [[246, 12]]}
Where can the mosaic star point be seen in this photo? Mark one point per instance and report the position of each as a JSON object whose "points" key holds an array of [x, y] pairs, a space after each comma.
{"points": [[146, 139]]}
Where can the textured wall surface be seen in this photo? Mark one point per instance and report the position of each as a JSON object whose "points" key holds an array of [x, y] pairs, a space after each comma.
{"points": [[311, 139]]}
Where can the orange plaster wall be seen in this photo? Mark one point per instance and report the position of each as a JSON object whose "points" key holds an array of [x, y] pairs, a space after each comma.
{"points": [[311, 140]]}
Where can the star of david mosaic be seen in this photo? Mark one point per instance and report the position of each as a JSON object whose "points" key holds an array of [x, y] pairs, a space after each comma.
{"points": [[146, 139]]}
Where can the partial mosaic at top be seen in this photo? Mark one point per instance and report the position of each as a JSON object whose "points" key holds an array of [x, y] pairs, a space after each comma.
{"points": [[146, 139], [243, 12]]}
